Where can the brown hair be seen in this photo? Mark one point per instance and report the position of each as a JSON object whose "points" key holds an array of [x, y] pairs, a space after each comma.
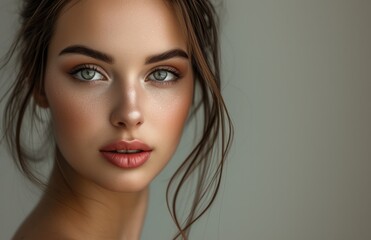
{"points": [[205, 162]]}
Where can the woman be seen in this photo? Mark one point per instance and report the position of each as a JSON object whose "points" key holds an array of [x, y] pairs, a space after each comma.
{"points": [[117, 80]]}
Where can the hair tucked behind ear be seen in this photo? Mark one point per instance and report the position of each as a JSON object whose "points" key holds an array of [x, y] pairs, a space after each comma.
{"points": [[206, 161]]}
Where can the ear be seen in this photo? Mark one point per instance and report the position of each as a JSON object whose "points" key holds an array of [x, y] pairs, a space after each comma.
{"points": [[40, 98]]}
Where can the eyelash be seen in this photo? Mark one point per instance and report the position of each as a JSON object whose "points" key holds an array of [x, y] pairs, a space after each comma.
{"points": [[80, 68], [171, 70], [95, 68]]}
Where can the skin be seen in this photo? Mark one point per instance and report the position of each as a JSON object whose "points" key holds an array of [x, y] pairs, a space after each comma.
{"points": [[87, 196]]}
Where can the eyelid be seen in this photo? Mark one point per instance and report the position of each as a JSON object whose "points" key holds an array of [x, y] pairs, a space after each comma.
{"points": [[172, 70], [90, 66]]}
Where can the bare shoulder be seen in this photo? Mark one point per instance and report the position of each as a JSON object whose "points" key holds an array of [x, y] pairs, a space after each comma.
{"points": [[36, 227], [27, 233], [37, 234], [32, 235], [42, 236]]}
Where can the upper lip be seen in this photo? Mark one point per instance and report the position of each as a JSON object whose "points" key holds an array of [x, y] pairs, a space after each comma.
{"points": [[126, 145]]}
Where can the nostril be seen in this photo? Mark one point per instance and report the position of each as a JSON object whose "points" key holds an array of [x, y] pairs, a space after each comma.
{"points": [[121, 124]]}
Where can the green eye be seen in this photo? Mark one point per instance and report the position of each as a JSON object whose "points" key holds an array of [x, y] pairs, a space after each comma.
{"points": [[87, 73], [163, 75], [160, 75]]}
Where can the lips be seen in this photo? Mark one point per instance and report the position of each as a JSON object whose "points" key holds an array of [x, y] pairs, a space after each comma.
{"points": [[125, 146], [127, 154]]}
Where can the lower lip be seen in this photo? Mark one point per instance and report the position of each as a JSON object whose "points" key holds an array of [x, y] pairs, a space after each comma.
{"points": [[127, 161]]}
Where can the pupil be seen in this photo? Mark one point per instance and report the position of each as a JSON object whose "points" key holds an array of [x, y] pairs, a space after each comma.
{"points": [[88, 74], [160, 75]]}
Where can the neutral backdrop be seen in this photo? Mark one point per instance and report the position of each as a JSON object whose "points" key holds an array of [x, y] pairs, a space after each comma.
{"points": [[297, 80]]}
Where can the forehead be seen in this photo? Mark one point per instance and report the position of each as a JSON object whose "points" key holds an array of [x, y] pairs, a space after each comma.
{"points": [[119, 25]]}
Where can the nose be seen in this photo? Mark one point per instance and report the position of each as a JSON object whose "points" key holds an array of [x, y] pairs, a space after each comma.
{"points": [[126, 112]]}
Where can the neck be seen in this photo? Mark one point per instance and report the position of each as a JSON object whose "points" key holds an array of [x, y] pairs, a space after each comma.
{"points": [[98, 213]]}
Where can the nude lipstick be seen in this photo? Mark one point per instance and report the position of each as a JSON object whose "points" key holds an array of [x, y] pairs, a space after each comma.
{"points": [[127, 154]]}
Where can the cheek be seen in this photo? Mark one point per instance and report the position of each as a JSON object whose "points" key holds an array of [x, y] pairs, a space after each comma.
{"points": [[72, 114], [170, 111], [173, 116]]}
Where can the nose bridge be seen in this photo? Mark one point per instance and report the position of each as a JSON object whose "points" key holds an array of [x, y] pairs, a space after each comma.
{"points": [[132, 102], [127, 111], [129, 94]]}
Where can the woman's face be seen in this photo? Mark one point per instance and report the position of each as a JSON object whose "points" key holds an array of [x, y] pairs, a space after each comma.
{"points": [[118, 78]]}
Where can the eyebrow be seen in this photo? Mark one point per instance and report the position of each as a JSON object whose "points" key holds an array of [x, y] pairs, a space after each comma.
{"points": [[79, 49], [167, 55], [83, 50]]}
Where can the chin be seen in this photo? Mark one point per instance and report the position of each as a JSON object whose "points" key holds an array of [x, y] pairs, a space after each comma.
{"points": [[126, 183]]}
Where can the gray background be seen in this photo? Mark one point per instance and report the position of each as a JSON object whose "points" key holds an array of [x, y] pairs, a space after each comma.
{"points": [[297, 81]]}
